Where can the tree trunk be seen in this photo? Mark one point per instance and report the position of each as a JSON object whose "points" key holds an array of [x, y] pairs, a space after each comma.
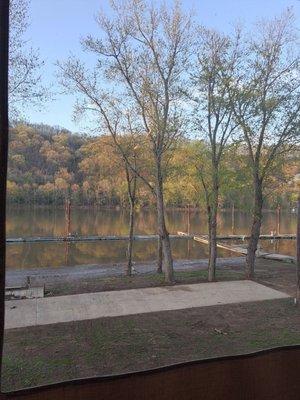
{"points": [[131, 190], [212, 247], [255, 229], [212, 222], [159, 255], [209, 234], [162, 230], [130, 240]]}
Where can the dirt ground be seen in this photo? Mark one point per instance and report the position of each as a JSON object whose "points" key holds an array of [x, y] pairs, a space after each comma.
{"points": [[45, 354], [136, 281], [278, 275]]}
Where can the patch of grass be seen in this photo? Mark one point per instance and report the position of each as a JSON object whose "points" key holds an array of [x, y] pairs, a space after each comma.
{"points": [[131, 281], [138, 281], [265, 339], [120, 332], [201, 274], [44, 354], [230, 275], [35, 370]]}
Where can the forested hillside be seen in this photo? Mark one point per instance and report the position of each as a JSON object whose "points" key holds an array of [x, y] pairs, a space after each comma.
{"points": [[47, 163]]}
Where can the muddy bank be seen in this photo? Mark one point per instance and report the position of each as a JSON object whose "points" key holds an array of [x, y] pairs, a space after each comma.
{"points": [[94, 278]]}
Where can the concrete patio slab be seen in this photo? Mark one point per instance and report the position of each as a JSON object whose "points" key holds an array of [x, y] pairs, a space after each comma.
{"points": [[52, 310]]}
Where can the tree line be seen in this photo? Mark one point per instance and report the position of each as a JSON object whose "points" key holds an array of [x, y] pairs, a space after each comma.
{"points": [[160, 78], [46, 164]]}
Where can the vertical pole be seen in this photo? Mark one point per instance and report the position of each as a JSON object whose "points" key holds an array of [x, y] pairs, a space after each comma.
{"points": [[188, 220], [232, 219], [298, 250], [4, 22], [68, 216], [278, 219]]}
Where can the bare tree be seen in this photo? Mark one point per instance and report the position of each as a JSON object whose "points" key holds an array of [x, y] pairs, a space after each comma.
{"points": [[127, 147], [131, 152], [24, 62], [212, 118], [143, 56], [265, 100], [111, 115], [131, 179]]}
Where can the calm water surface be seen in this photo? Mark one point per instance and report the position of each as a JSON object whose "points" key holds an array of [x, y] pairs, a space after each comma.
{"points": [[24, 222]]}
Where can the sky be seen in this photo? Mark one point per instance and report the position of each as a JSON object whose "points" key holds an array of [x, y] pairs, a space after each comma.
{"points": [[56, 27]]}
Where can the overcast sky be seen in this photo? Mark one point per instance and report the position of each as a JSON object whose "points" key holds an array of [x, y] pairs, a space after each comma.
{"points": [[56, 27]]}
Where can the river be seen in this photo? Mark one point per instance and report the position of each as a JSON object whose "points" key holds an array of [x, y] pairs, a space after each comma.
{"points": [[25, 222]]}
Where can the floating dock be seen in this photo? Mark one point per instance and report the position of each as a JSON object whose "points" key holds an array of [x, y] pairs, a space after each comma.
{"points": [[244, 237], [72, 238], [239, 249]]}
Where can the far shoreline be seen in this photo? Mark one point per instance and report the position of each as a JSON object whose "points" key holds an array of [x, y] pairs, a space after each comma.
{"points": [[186, 208]]}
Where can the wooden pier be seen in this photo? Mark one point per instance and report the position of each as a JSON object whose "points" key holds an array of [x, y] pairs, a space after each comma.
{"points": [[180, 235], [71, 239], [239, 249], [244, 237]]}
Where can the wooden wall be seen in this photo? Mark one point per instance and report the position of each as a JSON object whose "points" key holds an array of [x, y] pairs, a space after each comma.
{"points": [[268, 375]]}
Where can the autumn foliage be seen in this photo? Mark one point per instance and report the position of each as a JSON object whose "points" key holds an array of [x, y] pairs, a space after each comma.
{"points": [[45, 162]]}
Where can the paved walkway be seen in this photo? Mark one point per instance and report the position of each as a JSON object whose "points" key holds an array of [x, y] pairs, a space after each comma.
{"points": [[51, 310]]}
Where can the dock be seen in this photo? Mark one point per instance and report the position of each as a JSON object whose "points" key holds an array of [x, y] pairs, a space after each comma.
{"points": [[96, 238], [242, 250], [244, 237], [75, 238]]}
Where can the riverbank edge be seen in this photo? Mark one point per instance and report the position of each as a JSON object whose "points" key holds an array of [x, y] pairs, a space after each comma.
{"points": [[44, 276]]}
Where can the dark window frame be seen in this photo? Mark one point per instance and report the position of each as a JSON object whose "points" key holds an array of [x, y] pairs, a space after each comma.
{"points": [[272, 373]]}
